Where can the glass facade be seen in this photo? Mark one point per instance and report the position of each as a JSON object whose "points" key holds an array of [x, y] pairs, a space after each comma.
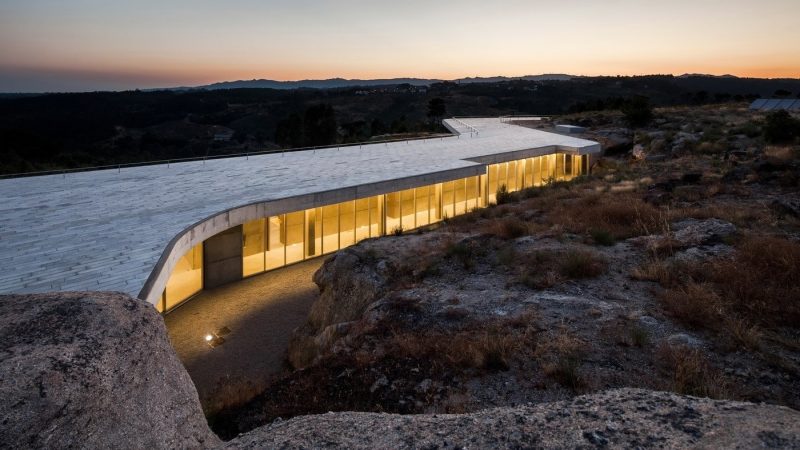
{"points": [[186, 279], [276, 241], [533, 172]]}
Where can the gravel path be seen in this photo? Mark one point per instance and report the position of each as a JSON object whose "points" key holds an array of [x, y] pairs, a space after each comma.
{"points": [[260, 312]]}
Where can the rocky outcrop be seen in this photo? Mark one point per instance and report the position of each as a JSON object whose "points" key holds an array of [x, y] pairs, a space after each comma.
{"points": [[692, 239], [624, 418], [93, 370], [349, 282]]}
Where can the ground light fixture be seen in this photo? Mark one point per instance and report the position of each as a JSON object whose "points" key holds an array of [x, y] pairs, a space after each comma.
{"points": [[215, 339]]}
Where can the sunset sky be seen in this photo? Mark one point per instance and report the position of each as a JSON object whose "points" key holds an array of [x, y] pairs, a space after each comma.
{"points": [[79, 45]]}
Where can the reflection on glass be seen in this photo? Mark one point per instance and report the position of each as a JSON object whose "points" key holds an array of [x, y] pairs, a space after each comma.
{"points": [[347, 222], [330, 228], [275, 253], [186, 278], [362, 219], [294, 236], [422, 207], [253, 247], [313, 232]]}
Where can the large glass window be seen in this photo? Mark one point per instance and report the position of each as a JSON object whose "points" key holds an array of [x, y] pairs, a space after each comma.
{"points": [[294, 236], [436, 202], [376, 216], [493, 185], [502, 175], [461, 196], [473, 193], [362, 219], [313, 232], [392, 212], [423, 209], [407, 209], [512, 176], [448, 199], [186, 278], [330, 228], [347, 224], [275, 255], [253, 247]]}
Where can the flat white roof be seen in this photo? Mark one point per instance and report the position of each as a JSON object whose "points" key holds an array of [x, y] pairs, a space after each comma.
{"points": [[106, 230]]}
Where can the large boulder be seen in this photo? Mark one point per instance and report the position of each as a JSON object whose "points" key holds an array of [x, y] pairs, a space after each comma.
{"points": [[624, 418], [349, 282], [93, 370]]}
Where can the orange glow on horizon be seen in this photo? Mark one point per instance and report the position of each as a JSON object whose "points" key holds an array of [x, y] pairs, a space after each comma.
{"points": [[191, 42]]}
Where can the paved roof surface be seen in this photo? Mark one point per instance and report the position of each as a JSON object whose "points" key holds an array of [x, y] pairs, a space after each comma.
{"points": [[106, 230]]}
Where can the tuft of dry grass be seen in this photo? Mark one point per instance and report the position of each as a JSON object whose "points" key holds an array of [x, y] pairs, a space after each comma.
{"points": [[491, 346], [620, 215], [690, 372], [509, 227], [576, 264], [696, 304], [762, 281], [654, 269], [563, 357]]}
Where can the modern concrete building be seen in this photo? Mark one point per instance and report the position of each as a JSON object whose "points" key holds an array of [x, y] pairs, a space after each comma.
{"points": [[164, 232]]}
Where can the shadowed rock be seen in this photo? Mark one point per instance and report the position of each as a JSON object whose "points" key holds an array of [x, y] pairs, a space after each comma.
{"points": [[624, 418], [93, 370]]}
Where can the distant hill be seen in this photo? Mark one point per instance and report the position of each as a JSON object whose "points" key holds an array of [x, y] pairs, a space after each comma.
{"points": [[334, 83]]}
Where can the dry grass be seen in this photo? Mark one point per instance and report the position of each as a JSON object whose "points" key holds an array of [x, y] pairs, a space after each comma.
{"points": [[509, 227], [691, 374], [744, 298], [656, 270], [620, 215], [562, 359], [492, 346], [762, 281], [542, 269], [576, 264], [696, 304]]}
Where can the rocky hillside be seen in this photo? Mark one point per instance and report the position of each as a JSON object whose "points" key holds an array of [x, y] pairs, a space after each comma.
{"points": [[95, 370], [655, 303], [674, 267]]}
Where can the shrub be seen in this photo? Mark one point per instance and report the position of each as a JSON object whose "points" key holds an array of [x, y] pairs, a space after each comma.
{"points": [[509, 227], [566, 354], [503, 196], [463, 252], [581, 264], [695, 304], [781, 128], [637, 111], [603, 237], [639, 336], [690, 372]]}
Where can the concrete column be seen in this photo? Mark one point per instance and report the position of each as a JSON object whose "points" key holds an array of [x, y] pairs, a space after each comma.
{"points": [[222, 258]]}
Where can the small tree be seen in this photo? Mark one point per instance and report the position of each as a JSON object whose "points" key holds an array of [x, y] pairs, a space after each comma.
{"points": [[781, 128], [782, 93], [637, 111], [437, 108]]}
